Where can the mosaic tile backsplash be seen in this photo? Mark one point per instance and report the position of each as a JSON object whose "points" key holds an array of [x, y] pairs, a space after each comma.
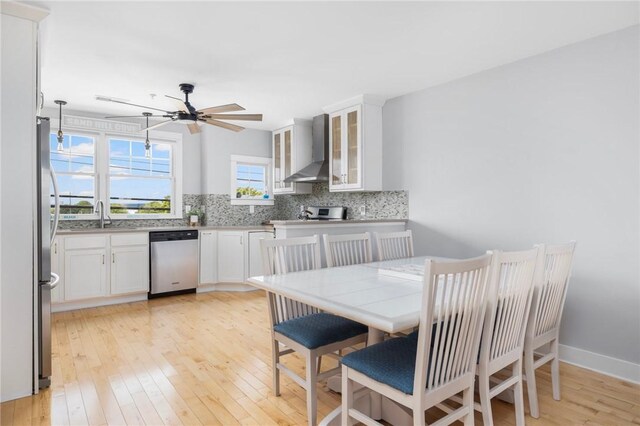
{"points": [[378, 205], [218, 210]]}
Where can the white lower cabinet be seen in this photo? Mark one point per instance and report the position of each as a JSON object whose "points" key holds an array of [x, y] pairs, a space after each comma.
{"points": [[98, 269], [129, 269], [231, 256], [208, 257], [129, 263], [85, 273], [254, 260]]}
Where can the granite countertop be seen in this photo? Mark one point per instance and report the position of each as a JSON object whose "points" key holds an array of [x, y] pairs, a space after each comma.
{"points": [[164, 228], [277, 223]]}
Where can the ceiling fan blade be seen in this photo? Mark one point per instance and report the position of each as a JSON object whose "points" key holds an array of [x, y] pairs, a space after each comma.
{"points": [[246, 117], [193, 128], [221, 108], [218, 123], [101, 98], [162, 123], [180, 102]]}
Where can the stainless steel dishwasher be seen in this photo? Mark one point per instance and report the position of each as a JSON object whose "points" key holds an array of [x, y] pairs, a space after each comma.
{"points": [[174, 262]]}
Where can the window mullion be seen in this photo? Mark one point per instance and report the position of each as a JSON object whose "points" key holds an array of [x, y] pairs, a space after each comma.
{"points": [[103, 171]]}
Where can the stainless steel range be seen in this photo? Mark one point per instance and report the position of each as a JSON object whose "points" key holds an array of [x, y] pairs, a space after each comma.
{"points": [[322, 213]]}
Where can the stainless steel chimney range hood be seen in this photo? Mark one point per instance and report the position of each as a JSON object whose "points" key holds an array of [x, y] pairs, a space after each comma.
{"points": [[318, 170]]}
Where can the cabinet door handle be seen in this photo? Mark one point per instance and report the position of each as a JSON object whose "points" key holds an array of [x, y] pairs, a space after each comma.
{"points": [[103, 259], [113, 258], [55, 248], [240, 239]]}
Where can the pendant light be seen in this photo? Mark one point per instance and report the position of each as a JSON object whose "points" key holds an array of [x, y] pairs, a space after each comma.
{"points": [[147, 144], [60, 148]]}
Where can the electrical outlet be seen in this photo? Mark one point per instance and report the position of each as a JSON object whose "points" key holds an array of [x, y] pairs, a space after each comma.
{"points": [[252, 209], [363, 210], [187, 208]]}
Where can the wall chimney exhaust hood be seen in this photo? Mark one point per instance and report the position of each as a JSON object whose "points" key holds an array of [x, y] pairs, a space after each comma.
{"points": [[318, 170]]}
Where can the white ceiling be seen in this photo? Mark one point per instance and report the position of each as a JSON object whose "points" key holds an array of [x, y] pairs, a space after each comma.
{"points": [[290, 59]]}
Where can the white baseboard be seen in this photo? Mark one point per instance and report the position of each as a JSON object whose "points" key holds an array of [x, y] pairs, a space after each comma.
{"points": [[225, 287], [101, 301], [604, 364]]}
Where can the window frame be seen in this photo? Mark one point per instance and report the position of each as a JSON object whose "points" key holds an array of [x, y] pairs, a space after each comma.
{"points": [[96, 184], [101, 165], [253, 161]]}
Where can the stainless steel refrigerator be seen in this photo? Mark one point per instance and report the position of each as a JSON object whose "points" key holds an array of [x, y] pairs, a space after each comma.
{"points": [[47, 225]]}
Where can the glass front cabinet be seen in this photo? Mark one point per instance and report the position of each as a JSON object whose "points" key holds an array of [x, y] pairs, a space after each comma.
{"points": [[291, 148], [355, 138]]}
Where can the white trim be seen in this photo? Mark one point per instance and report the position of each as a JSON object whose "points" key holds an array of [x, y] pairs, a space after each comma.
{"points": [[246, 159], [604, 364], [99, 125], [24, 11], [323, 224], [99, 301], [239, 287], [360, 99], [294, 122]]}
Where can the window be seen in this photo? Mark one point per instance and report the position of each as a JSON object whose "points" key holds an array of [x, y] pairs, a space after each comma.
{"points": [[75, 168], [113, 168], [139, 185], [250, 180]]}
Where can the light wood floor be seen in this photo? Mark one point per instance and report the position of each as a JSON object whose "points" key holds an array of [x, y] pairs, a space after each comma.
{"points": [[205, 359]]}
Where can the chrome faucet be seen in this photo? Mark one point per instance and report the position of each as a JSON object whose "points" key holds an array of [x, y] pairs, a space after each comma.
{"points": [[100, 210]]}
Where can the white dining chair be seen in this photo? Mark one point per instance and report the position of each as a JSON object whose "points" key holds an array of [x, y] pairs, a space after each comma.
{"points": [[512, 280], [394, 245], [349, 249], [298, 327], [439, 361], [543, 327]]}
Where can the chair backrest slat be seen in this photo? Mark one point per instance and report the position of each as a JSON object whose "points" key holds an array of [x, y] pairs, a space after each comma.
{"points": [[281, 256], [508, 304], [450, 321], [394, 245], [349, 249], [554, 272]]}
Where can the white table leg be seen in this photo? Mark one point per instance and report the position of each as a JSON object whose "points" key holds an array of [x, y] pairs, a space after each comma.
{"points": [[375, 336]]}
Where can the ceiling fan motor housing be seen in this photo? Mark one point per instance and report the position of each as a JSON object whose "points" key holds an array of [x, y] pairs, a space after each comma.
{"points": [[186, 88]]}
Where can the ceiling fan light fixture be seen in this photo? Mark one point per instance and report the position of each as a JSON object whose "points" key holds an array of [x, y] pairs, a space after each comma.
{"points": [[60, 138], [147, 144]]}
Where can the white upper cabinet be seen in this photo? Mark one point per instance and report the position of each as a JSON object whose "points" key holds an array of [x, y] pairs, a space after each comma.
{"points": [[291, 151], [355, 144]]}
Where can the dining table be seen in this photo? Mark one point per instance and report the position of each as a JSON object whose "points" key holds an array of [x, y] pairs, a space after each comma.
{"points": [[386, 296]]}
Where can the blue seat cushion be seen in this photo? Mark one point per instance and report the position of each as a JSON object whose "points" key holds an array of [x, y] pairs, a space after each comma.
{"points": [[391, 362], [315, 330]]}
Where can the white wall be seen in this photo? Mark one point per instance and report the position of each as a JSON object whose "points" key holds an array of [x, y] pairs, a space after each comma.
{"points": [[542, 150], [217, 147], [18, 204]]}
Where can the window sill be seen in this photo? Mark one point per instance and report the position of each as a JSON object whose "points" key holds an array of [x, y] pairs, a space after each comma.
{"points": [[71, 218], [144, 217], [249, 202]]}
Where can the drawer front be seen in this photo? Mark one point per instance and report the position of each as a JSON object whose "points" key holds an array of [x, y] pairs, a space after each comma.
{"points": [[130, 239], [85, 242]]}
